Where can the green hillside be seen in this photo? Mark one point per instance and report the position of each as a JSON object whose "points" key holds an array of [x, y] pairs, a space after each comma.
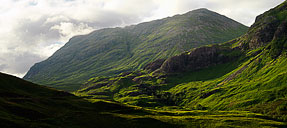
{"points": [[27, 105], [111, 51], [24, 104], [246, 74]]}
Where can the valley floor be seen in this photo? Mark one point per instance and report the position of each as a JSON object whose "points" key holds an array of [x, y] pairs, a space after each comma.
{"points": [[176, 117]]}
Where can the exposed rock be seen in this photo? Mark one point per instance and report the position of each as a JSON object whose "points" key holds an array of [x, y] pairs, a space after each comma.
{"points": [[197, 59], [267, 27], [176, 63], [154, 65], [279, 43], [263, 31], [281, 31]]}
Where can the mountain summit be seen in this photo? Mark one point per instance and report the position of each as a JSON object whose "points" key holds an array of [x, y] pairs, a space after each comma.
{"points": [[111, 51]]}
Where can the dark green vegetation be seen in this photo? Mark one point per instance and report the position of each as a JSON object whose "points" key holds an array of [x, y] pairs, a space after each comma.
{"points": [[24, 104], [111, 51], [248, 73]]}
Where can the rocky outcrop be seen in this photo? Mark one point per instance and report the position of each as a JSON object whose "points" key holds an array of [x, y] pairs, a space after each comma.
{"points": [[154, 65], [197, 59], [263, 31], [281, 31], [267, 27], [279, 43]]}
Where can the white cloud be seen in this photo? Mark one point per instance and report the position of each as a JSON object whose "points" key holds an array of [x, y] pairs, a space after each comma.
{"points": [[243, 11], [68, 29], [32, 30]]}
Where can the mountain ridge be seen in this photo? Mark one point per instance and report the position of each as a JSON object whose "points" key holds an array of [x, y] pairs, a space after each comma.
{"points": [[111, 51]]}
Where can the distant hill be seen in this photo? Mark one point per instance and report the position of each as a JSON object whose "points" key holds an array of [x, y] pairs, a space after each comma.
{"points": [[111, 51], [247, 73]]}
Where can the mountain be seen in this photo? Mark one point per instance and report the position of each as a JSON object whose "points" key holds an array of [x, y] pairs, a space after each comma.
{"points": [[247, 73], [111, 51], [27, 105]]}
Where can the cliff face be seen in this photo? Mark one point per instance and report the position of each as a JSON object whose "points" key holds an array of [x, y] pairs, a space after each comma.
{"points": [[154, 65], [197, 59], [262, 32]]}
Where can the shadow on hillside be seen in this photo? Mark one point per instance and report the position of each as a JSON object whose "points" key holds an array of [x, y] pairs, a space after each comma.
{"points": [[209, 73]]}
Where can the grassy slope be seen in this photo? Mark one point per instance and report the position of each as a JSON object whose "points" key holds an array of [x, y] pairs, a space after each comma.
{"points": [[260, 87], [112, 51], [255, 82], [24, 104], [119, 87]]}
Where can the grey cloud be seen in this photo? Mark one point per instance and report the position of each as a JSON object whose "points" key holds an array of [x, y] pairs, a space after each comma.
{"points": [[3, 66], [30, 32], [24, 61], [112, 19], [18, 63]]}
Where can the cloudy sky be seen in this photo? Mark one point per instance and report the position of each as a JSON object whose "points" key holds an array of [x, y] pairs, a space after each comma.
{"points": [[32, 30]]}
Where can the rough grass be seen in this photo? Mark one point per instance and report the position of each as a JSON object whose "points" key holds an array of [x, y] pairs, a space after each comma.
{"points": [[23, 104]]}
